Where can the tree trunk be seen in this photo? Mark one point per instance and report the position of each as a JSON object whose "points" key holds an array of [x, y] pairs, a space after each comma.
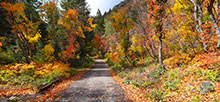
{"points": [[181, 46], [160, 52], [215, 23], [152, 50], [160, 32], [111, 44], [198, 21]]}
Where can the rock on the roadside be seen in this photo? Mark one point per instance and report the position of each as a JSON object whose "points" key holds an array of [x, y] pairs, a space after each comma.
{"points": [[13, 98], [206, 87], [193, 90], [189, 85]]}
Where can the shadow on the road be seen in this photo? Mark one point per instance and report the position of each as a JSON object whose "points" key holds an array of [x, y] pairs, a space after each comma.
{"points": [[98, 70], [101, 66], [100, 62]]}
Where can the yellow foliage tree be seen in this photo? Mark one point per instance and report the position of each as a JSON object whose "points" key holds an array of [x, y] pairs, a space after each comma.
{"points": [[48, 52], [123, 24]]}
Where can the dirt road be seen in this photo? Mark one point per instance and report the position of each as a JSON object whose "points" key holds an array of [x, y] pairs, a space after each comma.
{"points": [[97, 85]]}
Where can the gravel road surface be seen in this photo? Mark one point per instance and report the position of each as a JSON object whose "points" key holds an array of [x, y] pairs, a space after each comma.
{"points": [[97, 85]]}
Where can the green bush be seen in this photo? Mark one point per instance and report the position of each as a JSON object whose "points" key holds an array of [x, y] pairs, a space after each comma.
{"points": [[8, 76], [156, 95], [172, 85], [196, 98], [6, 58], [141, 70], [126, 75], [143, 84], [156, 73], [26, 77], [173, 81], [116, 68], [147, 61], [212, 75], [198, 73], [152, 78]]}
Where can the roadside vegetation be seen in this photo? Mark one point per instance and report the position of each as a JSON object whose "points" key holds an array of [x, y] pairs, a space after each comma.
{"points": [[42, 45], [164, 50]]}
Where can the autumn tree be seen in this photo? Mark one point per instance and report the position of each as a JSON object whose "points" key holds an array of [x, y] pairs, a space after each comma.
{"points": [[50, 14], [26, 32], [198, 17], [180, 32], [142, 25], [83, 14], [109, 33], [157, 11], [99, 32], [80, 6], [98, 45], [74, 29], [215, 17], [123, 24], [203, 18]]}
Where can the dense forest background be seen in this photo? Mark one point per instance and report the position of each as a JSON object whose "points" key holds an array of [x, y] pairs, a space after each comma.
{"points": [[166, 50]]}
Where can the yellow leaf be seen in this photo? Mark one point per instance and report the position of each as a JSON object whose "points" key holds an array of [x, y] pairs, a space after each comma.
{"points": [[35, 38]]}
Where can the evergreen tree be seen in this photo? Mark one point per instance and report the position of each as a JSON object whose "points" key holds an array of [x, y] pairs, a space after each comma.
{"points": [[99, 20], [31, 7], [80, 5], [3, 23]]}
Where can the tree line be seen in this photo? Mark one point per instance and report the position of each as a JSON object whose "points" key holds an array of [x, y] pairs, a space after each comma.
{"points": [[32, 30], [161, 29]]}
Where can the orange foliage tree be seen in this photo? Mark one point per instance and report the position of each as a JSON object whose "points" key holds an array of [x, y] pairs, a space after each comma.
{"points": [[157, 13], [74, 28], [24, 30]]}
